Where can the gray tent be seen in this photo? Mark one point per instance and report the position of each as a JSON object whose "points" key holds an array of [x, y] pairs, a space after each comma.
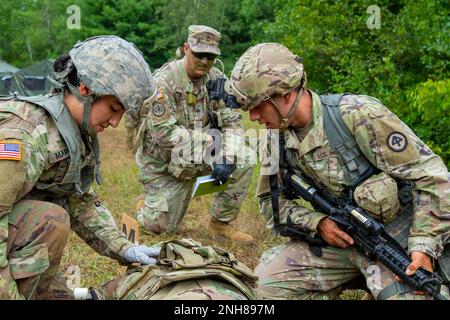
{"points": [[29, 81], [7, 68], [6, 72]]}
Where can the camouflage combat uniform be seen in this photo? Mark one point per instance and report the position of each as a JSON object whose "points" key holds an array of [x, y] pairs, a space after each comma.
{"points": [[303, 274], [179, 107], [292, 270], [187, 270], [47, 166]]}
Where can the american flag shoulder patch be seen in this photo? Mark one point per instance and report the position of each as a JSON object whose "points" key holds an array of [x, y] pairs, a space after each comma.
{"points": [[11, 150]]}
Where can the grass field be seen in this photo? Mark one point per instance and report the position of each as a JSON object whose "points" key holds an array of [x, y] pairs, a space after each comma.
{"points": [[118, 191]]}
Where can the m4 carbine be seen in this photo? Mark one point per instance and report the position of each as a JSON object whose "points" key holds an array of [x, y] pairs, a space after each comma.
{"points": [[369, 236]]}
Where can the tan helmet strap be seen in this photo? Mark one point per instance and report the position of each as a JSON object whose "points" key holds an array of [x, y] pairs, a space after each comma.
{"points": [[293, 108]]}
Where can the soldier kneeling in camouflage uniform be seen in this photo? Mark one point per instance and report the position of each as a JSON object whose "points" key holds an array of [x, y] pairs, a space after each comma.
{"points": [[49, 158], [186, 270], [182, 113], [269, 81]]}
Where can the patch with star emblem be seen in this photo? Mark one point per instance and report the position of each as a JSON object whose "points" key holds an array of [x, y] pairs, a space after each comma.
{"points": [[395, 146], [397, 141]]}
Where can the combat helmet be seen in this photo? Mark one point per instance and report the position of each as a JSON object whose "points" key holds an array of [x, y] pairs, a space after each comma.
{"points": [[109, 65], [263, 71]]}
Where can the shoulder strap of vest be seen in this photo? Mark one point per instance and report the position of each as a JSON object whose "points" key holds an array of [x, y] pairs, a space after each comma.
{"points": [[354, 164], [70, 132]]}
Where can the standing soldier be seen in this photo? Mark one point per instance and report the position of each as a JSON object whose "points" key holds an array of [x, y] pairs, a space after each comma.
{"points": [[49, 158], [181, 110], [381, 166]]}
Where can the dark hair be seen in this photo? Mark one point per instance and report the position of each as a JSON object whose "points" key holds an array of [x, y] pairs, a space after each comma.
{"points": [[60, 64]]}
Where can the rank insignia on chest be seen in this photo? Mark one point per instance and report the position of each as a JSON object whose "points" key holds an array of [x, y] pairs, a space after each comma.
{"points": [[321, 153], [10, 150]]}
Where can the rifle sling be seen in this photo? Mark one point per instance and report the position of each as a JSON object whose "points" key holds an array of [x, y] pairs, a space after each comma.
{"points": [[273, 182], [395, 288]]}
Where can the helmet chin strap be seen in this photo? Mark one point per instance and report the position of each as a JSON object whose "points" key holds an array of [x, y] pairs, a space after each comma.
{"points": [[292, 109], [86, 130], [87, 107]]}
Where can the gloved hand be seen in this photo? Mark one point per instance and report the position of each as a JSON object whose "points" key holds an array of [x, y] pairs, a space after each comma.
{"points": [[142, 254], [222, 172]]}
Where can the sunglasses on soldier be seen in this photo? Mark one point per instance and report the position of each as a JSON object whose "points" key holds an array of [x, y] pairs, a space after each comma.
{"points": [[201, 55]]}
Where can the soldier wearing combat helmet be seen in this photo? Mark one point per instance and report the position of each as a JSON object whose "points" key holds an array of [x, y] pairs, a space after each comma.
{"points": [[49, 159], [388, 171], [182, 110]]}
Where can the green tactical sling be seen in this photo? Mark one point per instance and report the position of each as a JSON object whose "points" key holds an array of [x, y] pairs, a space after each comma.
{"points": [[179, 260]]}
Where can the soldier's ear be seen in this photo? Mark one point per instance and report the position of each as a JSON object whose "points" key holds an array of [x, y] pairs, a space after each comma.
{"points": [[84, 89], [185, 48]]}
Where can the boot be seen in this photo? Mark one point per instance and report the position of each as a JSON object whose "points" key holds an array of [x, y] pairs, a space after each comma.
{"points": [[218, 228]]}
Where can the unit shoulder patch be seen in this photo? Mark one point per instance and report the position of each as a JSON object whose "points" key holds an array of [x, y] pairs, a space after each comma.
{"points": [[159, 113], [397, 141], [396, 146], [158, 109]]}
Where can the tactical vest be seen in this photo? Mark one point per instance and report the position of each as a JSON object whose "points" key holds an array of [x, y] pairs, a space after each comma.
{"points": [[180, 260], [76, 177]]}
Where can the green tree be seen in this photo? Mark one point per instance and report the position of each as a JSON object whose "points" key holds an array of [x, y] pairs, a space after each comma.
{"points": [[430, 115], [341, 54]]}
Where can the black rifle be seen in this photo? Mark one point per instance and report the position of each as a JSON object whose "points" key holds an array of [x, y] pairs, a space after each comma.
{"points": [[369, 236]]}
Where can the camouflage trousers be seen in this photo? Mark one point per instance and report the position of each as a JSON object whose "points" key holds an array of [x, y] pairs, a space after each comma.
{"points": [[37, 234], [292, 271], [167, 199]]}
